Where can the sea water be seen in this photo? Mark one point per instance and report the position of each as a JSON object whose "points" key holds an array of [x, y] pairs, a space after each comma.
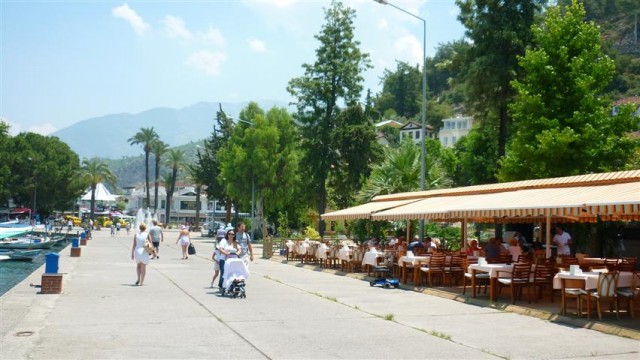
{"points": [[13, 272]]}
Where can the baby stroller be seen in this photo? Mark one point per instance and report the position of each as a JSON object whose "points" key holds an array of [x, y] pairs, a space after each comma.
{"points": [[235, 273]]}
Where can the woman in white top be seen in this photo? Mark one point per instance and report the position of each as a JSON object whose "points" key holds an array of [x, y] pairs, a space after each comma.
{"points": [[184, 240], [227, 246], [139, 254]]}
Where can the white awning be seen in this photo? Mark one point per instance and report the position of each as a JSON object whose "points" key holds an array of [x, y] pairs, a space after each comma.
{"points": [[364, 211], [612, 200]]}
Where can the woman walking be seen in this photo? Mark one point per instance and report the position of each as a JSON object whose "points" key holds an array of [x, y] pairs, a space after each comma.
{"points": [[227, 246], [184, 240], [139, 254]]}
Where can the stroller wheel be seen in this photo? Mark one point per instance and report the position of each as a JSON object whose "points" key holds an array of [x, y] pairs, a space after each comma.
{"points": [[371, 283], [387, 286]]}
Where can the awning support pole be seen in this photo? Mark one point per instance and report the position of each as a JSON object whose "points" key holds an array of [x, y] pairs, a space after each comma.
{"points": [[548, 237]]}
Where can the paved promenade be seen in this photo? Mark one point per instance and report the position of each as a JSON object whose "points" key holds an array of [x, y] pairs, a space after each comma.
{"points": [[290, 313]]}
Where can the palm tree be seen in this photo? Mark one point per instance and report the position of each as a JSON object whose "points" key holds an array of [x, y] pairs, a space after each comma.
{"points": [[92, 172], [398, 172], [167, 179], [175, 160], [145, 137], [158, 148], [194, 176]]}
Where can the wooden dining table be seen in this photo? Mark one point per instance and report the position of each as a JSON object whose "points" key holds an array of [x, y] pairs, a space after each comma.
{"points": [[493, 270]]}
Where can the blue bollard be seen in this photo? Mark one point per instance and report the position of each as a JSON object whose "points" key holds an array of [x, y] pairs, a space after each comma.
{"points": [[75, 242], [83, 235], [51, 265]]}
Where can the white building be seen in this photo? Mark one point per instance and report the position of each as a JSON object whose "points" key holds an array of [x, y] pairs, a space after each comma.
{"points": [[453, 129], [412, 130], [183, 204]]}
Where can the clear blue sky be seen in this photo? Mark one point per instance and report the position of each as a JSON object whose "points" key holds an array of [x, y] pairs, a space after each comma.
{"points": [[66, 61]]}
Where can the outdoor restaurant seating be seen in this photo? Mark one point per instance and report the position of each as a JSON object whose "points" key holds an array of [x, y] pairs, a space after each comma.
{"points": [[434, 267], [571, 289], [631, 294], [520, 276], [542, 279], [480, 278], [605, 292], [455, 268]]}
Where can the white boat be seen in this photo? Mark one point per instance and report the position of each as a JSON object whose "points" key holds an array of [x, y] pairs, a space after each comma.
{"points": [[4, 257]]}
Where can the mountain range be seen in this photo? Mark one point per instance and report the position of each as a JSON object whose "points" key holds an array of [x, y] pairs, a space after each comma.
{"points": [[106, 136]]}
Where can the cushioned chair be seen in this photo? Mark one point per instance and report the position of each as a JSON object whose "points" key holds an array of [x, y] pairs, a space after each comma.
{"points": [[631, 294], [542, 279], [482, 278], [454, 269], [520, 278], [605, 292], [435, 267], [571, 289]]}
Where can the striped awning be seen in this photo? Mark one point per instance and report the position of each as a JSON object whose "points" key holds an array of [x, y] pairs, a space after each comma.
{"points": [[578, 203], [364, 211]]}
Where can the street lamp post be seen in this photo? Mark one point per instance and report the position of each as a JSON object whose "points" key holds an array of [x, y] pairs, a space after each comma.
{"points": [[424, 101]]}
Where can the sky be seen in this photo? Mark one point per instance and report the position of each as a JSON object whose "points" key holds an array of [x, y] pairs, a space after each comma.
{"points": [[62, 62]]}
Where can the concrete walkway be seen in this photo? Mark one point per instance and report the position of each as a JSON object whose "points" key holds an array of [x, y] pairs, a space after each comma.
{"points": [[290, 313]]}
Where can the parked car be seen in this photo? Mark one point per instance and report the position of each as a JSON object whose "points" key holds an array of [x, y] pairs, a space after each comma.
{"points": [[209, 229]]}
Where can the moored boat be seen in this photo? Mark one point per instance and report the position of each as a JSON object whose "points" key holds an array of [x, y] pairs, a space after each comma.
{"points": [[24, 254], [29, 242]]}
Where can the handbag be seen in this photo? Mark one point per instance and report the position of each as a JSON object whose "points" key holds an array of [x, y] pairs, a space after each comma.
{"points": [[148, 246], [191, 250]]}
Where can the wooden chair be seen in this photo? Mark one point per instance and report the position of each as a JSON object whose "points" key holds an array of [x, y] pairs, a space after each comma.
{"points": [[355, 264], [525, 258], [631, 294], [605, 292], [520, 278], [481, 278], [542, 279], [571, 289], [454, 269], [433, 268]]}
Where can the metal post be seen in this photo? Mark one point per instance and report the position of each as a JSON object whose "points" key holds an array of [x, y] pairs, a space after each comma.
{"points": [[253, 202], [424, 102]]}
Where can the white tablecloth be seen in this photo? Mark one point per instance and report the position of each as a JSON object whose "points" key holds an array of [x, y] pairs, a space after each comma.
{"points": [[492, 269], [371, 258], [345, 254], [591, 279], [412, 260], [321, 253]]}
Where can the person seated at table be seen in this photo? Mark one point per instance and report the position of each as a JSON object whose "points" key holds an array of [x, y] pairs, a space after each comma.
{"points": [[473, 247], [514, 249], [492, 250], [415, 244], [430, 244]]}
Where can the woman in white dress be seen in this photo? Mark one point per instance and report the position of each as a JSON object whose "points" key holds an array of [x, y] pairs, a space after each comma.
{"points": [[139, 254], [184, 240]]}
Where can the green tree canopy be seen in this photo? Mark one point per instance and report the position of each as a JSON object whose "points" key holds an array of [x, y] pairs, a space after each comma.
{"points": [[145, 137], [500, 31], [335, 78], [564, 127]]}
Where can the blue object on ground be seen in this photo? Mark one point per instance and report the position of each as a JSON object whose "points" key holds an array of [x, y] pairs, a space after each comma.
{"points": [[75, 242], [83, 235], [51, 263]]}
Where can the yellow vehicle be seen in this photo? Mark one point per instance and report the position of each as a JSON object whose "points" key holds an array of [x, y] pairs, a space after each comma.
{"points": [[76, 220]]}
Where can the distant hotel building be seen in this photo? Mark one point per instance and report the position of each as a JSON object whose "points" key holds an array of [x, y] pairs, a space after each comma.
{"points": [[453, 129]]}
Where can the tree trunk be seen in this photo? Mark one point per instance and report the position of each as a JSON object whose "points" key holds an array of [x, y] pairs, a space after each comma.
{"points": [[259, 216], [167, 210], [146, 176], [198, 205], [93, 201], [155, 199], [322, 207]]}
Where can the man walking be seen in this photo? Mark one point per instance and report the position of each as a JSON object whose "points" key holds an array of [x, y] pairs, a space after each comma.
{"points": [[245, 243], [157, 236]]}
